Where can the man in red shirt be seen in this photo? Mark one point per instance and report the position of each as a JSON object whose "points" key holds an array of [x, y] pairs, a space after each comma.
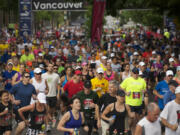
{"points": [[75, 85]]}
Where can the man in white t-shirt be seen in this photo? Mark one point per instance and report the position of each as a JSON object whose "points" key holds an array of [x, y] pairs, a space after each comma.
{"points": [[150, 124], [53, 82], [170, 116]]}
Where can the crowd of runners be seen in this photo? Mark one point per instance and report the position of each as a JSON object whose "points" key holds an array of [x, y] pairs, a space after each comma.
{"points": [[127, 85]]}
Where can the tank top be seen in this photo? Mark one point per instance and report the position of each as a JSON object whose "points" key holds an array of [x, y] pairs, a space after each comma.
{"points": [[119, 123], [39, 86], [72, 123], [65, 81], [125, 76], [37, 118], [111, 77]]}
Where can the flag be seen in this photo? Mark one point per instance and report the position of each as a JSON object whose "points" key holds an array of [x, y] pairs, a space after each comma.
{"points": [[97, 20]]}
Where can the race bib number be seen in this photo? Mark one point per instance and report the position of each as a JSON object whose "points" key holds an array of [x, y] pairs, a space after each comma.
{"points": [[39, 119], [136, 95], [87, 103]]}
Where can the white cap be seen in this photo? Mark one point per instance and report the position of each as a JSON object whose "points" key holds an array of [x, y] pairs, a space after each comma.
{"points": [[103, 57], [37, 70], [177, 90], [10, 63], [78, 67], [112, 54], [169, 72], [171, 59], [172, 54], [153, 52], [140, 73], [41, 65], [52, 46], [135, 53], [40, 54], [41, 98], [142, 63], [100, 70]]}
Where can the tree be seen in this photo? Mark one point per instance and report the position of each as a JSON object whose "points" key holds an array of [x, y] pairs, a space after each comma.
{"points": [[145, 17]]}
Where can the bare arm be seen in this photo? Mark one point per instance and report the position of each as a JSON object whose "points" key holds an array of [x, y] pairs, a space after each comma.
{"points": [[14, 79], [167, 124], [25, 109], [64, 119], [157, 94], [130, 114], [106, 111], [138, 130]]}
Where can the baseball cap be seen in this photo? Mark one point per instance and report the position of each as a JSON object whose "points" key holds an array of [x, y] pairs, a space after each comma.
{"points": [[142, 63], [40, 54], [120, 93], [153, 52], [78, 72], [177, 90], [87, 84], [78, 68], [100, 70], [135, 53], [171, 59], [178, 68], [29, 63], [112, 55], [41, 65], [37, 70], [84, 63], [10, 63], [103, 57], [169, 72], [172, 54], [135, 70], [173, 83], [52, 46], [41, 98]]}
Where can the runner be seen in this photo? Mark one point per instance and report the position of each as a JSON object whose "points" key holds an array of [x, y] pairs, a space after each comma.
{"points": [[38, 114], [73, 119], [6, 113], [134, 88]]}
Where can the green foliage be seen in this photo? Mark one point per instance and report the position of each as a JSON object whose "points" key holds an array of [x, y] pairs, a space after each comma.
{"points": [[145, 17]]}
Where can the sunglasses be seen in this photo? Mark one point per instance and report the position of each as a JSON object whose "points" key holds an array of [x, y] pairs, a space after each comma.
{"points": [[27, 76], [38, 74]]}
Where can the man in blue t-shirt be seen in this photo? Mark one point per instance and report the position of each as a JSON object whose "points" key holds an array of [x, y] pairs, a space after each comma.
{"points": [[21, 96], [170, 95], [162, 88], [7, 76]]}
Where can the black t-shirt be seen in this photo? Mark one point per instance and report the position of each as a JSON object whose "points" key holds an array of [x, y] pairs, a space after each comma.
{"points": [[6, 120], [85, 103], [105, 100]]}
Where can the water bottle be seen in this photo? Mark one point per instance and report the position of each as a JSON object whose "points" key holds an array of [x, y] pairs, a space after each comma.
{"points": [[112, 118], [43, 127], [76, 131]]}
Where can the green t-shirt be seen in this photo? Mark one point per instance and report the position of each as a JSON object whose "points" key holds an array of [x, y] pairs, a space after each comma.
{"points": [[25, 58], [60, 69], [85, 102], [135, 86]]}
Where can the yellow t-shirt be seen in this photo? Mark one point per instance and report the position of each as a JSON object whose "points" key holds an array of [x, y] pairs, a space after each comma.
{"points": [[102, 66], [135, 86], [17, 68], [96, 83]]}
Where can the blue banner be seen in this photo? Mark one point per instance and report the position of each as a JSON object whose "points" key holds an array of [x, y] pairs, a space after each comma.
{"points": [[25, 14]]}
